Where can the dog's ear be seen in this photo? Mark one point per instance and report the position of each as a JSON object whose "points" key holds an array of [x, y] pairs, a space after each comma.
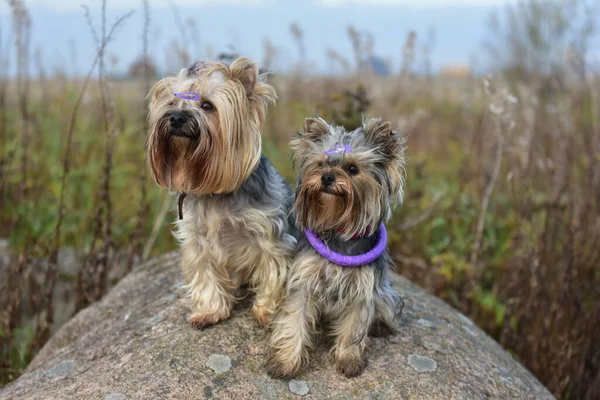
{"points": [[376, 127], [381, 135], [259, 93], [390, 145], [160, 88], [314, 128], [245, 71]]}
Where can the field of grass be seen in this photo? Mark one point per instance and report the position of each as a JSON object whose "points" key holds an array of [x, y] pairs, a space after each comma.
{"points": [[501, 216]]}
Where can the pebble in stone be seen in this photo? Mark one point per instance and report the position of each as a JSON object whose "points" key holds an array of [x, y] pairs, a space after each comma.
{"points": [[504, 375], [60, 369], [298, 387], [470, 331], [432, 346], [171, 297], [219, 363], [425, 323], [156, 319], [422, 363], [115, 396], [179, 285]]}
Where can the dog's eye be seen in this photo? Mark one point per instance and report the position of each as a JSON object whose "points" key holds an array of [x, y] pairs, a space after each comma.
{"points": [[207, 106], [353, 169]]}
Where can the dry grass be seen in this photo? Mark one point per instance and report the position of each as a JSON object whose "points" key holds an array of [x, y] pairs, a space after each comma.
{"points": [[501, 216]]}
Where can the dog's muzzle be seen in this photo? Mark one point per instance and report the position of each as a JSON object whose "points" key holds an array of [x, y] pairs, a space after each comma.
{"points": [[181, 124], [177, 120]]}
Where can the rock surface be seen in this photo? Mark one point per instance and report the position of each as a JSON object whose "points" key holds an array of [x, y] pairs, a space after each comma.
{"points": [[137, 344]]}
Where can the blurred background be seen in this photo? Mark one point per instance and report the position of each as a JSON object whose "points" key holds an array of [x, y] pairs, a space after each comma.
{"points": [[500, 102]]}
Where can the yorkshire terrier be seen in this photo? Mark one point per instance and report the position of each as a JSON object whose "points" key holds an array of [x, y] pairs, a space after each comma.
{"points": [[205, 144], [347, 184]]}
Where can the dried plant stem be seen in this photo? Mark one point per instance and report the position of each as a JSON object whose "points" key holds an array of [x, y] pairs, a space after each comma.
{"points": [[4, 64], [180, 27], [11, 313], [298, 36], [103, 262], [14, 272], [44, 325], [4, 157], [144, 208], [408, 53], [22, 28], [93, 274], [356, 46], [160, 218], [416, 220], [336, 58], [486, 198]]}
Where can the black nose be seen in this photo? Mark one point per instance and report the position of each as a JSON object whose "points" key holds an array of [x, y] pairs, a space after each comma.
{"points": [[177, 120], [327, 179]]}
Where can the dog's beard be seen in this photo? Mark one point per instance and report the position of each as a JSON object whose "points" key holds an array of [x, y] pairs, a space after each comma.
{"points": [[193, 131], [170, 151], [340, 207], [321, 209], [200, 157]]}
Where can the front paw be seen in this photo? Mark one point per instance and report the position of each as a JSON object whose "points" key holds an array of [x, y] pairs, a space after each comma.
{"points": [[381, 329], [351, 367], [281, 369], [262, 314], [203, 319]]}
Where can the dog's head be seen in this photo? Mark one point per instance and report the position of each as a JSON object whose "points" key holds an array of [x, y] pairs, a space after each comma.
{"points": [[205, 126], [347, 181]]}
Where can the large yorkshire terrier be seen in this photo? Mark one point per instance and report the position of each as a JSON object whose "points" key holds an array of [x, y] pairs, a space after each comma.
{"points": [[205, 144], [347, 184]]}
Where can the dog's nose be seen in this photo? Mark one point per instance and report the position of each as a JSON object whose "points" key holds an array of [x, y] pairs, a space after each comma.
{"points": [[177, 120], [327, 179]]}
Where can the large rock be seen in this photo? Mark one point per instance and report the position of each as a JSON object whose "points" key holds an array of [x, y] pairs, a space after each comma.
{"points": [[136, 344]]}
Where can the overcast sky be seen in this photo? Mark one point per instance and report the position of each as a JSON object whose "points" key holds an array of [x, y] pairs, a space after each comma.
{"points": [[74, 4], [460, 27]]}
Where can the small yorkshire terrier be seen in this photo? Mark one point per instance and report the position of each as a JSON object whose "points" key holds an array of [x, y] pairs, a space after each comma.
{"points": [[205, 144], [346, 187]]}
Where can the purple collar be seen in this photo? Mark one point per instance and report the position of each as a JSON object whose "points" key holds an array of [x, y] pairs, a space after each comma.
{"points": [[349, 261]]}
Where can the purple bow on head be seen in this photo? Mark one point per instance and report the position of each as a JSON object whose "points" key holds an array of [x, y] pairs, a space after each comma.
{"points": [[188, 95], [338, 149]]}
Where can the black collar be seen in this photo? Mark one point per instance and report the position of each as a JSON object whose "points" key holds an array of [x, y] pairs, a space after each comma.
{"points": [[180, 201]]}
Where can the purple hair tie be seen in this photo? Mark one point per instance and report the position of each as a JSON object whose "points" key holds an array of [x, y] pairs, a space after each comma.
{"points": [[338, 149], [349, 261], [188, 95]]}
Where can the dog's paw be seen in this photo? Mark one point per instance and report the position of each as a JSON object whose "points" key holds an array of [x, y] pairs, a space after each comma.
{"points": [[351, 367], [203, 319], [381, 329], [281, 370], [262, 315]]}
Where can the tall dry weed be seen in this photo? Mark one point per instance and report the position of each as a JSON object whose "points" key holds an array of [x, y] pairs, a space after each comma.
{"points": [[93, 274]]}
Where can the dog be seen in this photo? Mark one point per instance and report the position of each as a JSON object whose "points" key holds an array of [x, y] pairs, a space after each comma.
{"points": [[347, 185], [234, 228]]}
